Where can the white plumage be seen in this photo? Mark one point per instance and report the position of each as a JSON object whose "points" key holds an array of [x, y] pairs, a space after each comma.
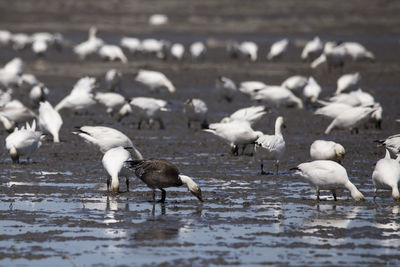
{"points": [[50, 120], [177, 51], [392, 143], [111, 101], [130, 43], [154, 80], [327, 175], [114, 163], [250, 114], [20, 41], [278, 49], [112, 53], [27, 81], [251, 87], [15, 111], [332, 110], [386, 175], [312, 49], [226, 88], [113, 80], [23, 141], [38, 93], [348, 82], [158, 19], [235, 133], [312, 90], [149, 109], [106, 138], [327, 150], [153, 46], [295, 84], [11, 72], [90, 46], [198, 50], [249, 49], [351, 119], [277, 96], [271, 147], [81, 96], [196, 110]]}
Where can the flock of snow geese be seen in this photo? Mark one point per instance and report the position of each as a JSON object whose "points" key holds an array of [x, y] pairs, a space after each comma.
{"points": [[349, 108]]}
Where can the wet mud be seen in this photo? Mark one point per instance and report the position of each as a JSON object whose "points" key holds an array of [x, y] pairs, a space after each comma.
{"points": [[55, 211]]}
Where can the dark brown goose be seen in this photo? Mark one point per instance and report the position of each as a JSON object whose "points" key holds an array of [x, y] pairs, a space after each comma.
{"points": [[160, 174]]}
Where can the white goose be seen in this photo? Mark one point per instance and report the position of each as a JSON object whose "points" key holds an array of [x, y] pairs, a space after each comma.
{"points": [[50, 120], [349, 99], [20, 41], [392, 143], [277, 96], [81, 96], [5, 96], [106, 138], [251, 87], [312, 90], [365, 99], [249, 49], [149, 109], [236, 133], [154, 80], [23, 141], [158, 19], [271, 147], [5, 38], [110, 100], [327, 175], [113, 80], [38, 93], [11, 72], [153, 46], [90, 46], [130, 43], [198, 50], [327, 150], [278, 49], [226, 88], [331, 109], [112, 53], [196, 110], [357, 51], [250, 114], [26, 81], [348, 82], [177, 51], [114, 163], [295, 84], [15, 111], [351, 119], [386, 175], [312, 49]]}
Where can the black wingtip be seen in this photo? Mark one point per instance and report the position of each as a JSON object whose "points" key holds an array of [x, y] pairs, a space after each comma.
{"points": [[379, 141], [128, 147]]}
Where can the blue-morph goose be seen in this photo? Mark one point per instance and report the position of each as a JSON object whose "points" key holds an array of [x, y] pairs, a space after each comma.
{"points": [[160, 174]]}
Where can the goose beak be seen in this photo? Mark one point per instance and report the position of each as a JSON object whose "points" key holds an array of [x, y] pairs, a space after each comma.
{"points": [[197, 193]]}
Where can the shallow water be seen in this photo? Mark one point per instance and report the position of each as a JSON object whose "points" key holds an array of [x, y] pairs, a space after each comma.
{"points": [[55, 211]]}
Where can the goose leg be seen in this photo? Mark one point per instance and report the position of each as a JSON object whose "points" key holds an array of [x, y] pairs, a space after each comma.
{"points": [[234, 150], [318, 195], [334, 194], [243, 148], [162, 126], [139, 124], [375, 191], [127, 184], [15, 159], [163, 195], [262, 168], [154, 196], [108, 183], [277, 166]]}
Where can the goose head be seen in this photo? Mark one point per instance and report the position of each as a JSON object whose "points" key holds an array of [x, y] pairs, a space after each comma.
{"points": [[340, 153], [192, 186], [279, 125]]}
